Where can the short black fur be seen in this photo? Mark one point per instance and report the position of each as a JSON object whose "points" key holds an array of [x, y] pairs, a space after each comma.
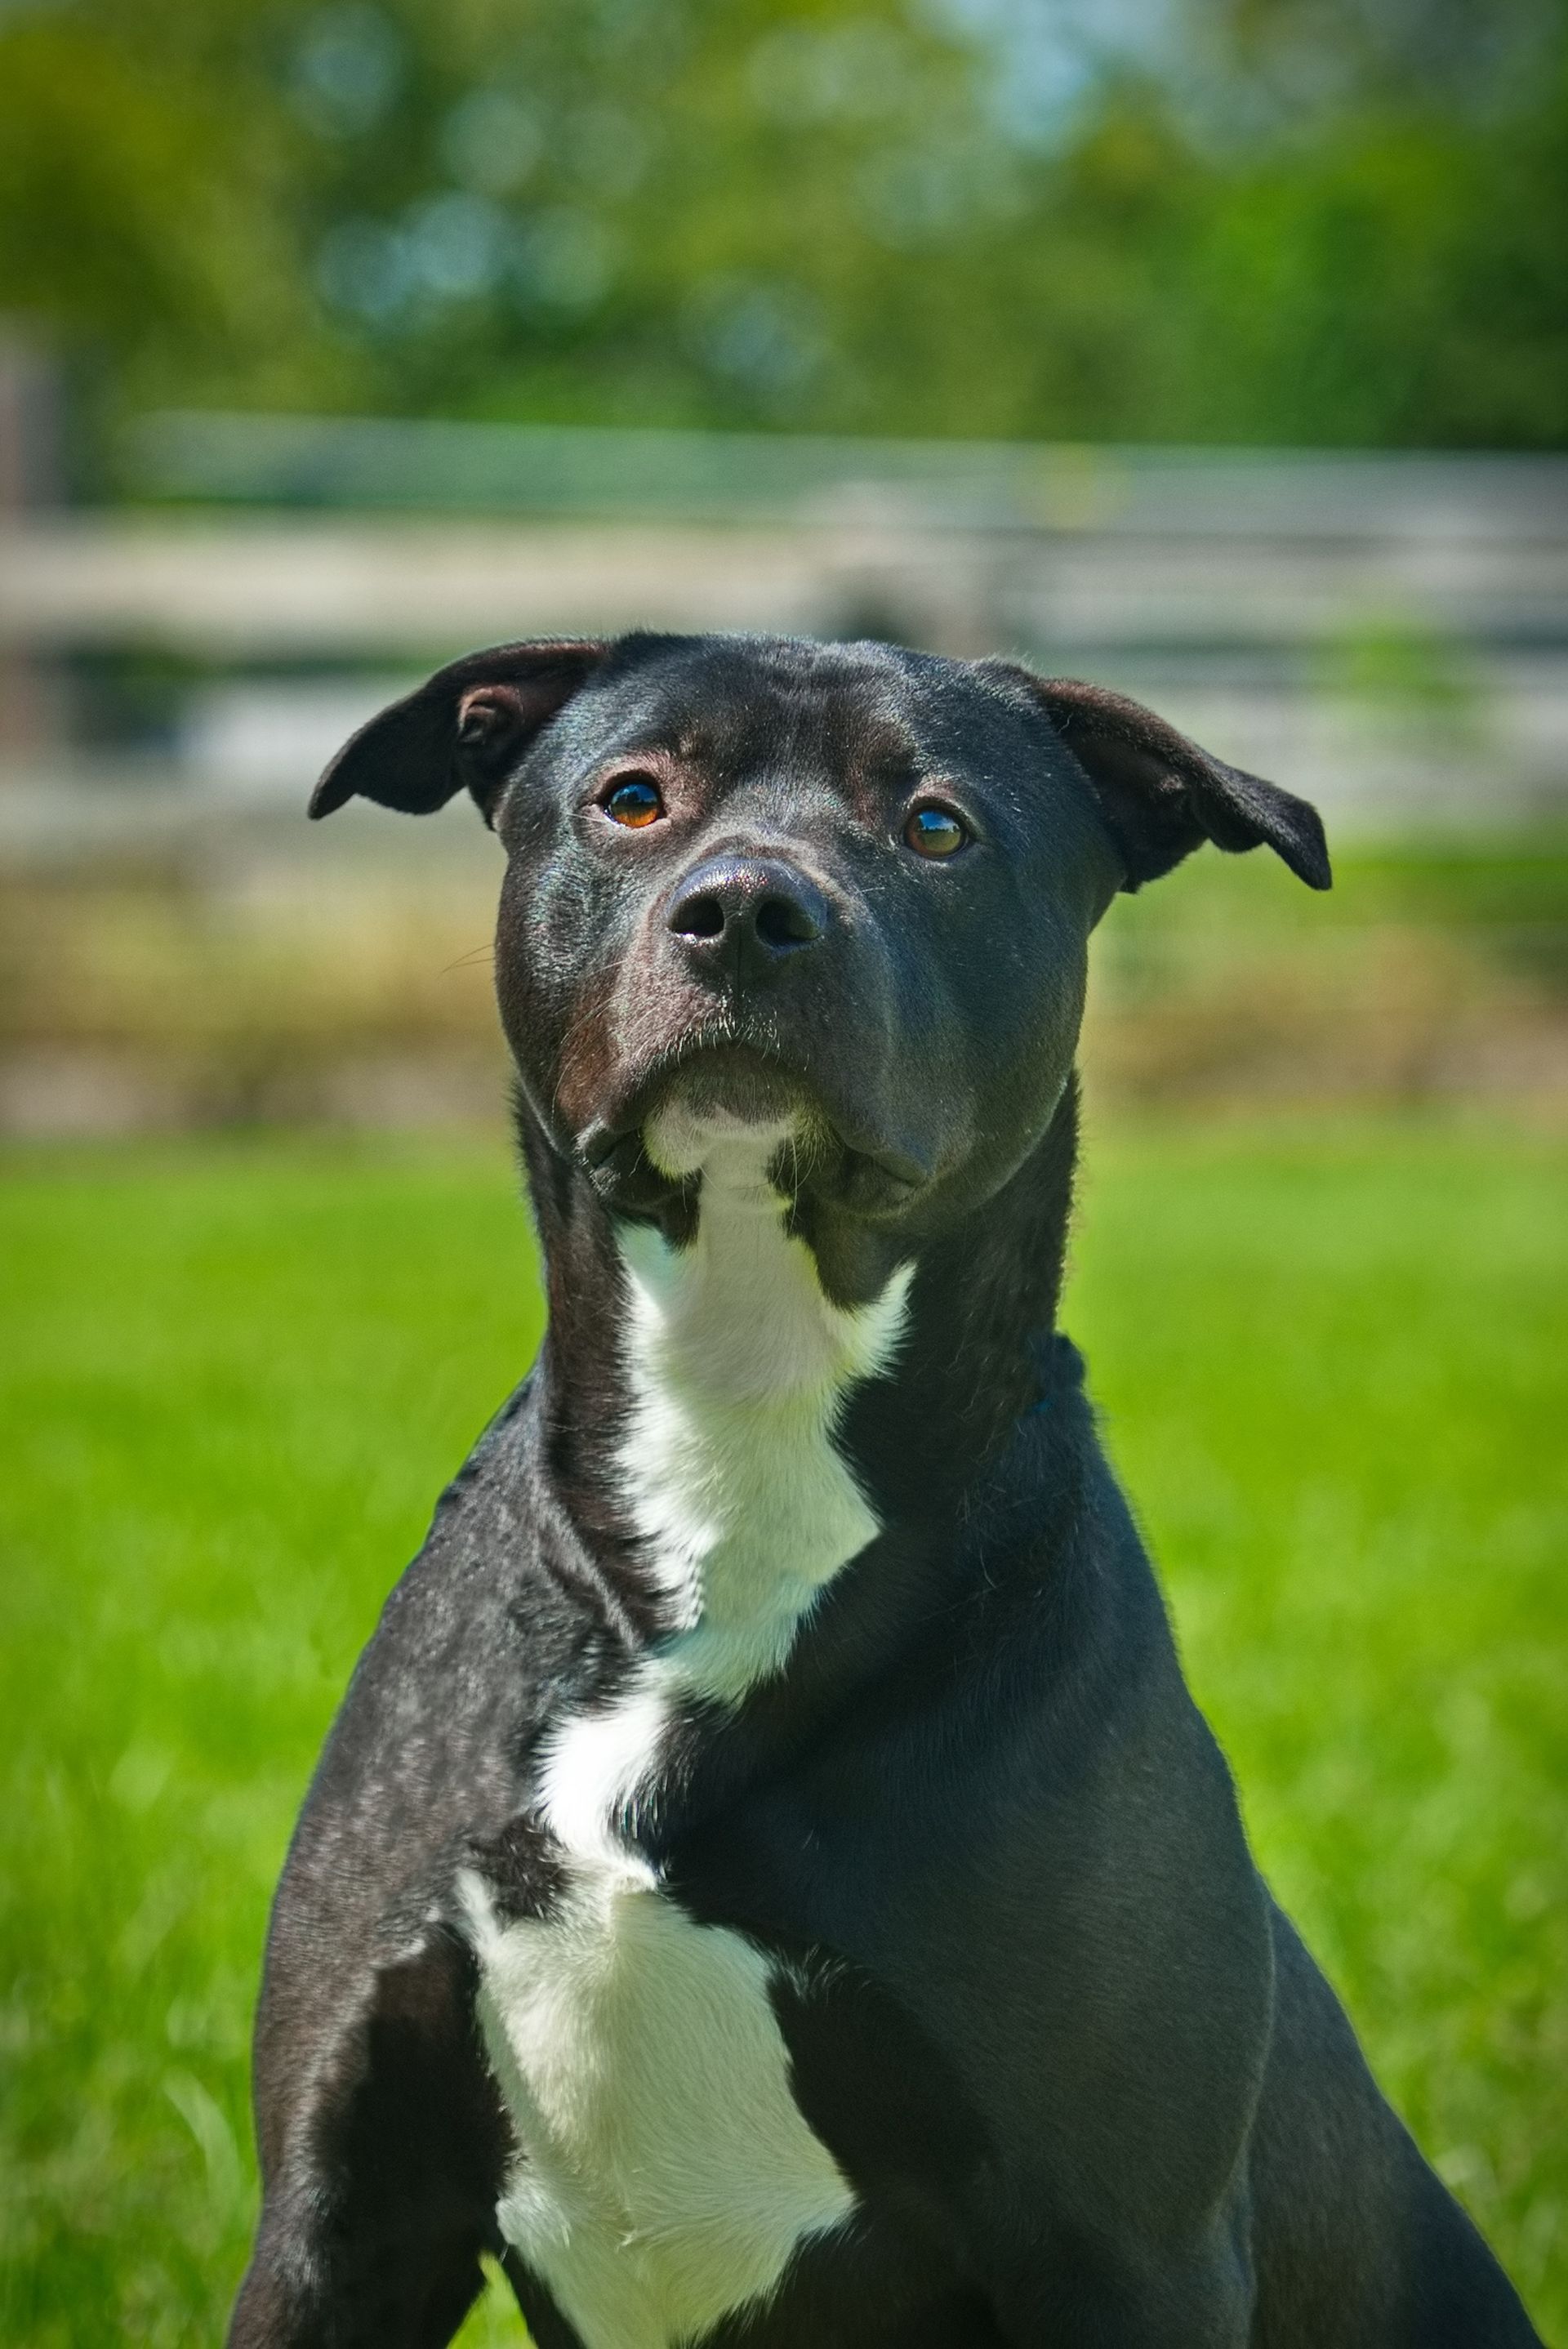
{"points": [[1086, 2083]]}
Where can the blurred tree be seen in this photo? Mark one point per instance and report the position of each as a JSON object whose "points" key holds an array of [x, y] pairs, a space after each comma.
{"points": [[1313, 221]]}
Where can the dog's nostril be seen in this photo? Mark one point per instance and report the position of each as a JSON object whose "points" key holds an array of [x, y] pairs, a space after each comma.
{"points": [[781, 922], [698, 917]]}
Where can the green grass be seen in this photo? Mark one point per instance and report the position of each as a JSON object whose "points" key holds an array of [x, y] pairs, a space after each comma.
{"points": [[232, 1378]]}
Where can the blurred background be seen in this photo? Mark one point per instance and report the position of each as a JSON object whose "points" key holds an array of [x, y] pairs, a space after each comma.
{"points": [[1217, 349]]}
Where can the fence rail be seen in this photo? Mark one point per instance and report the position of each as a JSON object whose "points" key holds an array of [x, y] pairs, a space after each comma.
{"points": [[1389, 631]]}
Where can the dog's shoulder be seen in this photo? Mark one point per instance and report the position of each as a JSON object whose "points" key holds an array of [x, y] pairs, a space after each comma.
{"points": [[500, 1622], [486, 1631]]}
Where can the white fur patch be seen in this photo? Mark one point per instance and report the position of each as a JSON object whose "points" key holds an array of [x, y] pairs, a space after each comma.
{"points": [[738, 1367], [665, 2174]]}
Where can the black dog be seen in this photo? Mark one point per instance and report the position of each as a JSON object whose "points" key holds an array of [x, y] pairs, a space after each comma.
{"points": [[769, 1883]]}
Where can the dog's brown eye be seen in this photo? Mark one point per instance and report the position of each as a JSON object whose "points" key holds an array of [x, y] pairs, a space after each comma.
{"points": [[635, 802], [934, 831]]}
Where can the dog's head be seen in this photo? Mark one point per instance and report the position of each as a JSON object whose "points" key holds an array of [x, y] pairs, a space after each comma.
{"points": [[843, 891]]}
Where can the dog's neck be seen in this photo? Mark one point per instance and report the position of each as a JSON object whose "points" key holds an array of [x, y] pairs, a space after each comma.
{"points": [[739, 1367], [670, 1360]]}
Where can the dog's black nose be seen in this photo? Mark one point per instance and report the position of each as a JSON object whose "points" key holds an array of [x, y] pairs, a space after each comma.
{"points": [[740, 918]]}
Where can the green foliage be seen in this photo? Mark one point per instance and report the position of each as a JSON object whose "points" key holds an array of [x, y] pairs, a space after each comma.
{"points": [[234, 1377], [138, 218], [1256, 223], [194, 1539]]}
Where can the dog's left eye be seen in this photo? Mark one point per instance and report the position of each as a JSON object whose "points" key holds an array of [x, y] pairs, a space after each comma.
{"points": [[636, 800], [935, 832]]}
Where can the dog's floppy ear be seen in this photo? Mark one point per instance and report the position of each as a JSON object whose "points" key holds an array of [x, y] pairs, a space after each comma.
{"points": [[469, 724], [1161, 795]]}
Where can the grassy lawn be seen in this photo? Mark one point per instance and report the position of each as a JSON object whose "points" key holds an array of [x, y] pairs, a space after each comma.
{"points": [[1333, 1367]]}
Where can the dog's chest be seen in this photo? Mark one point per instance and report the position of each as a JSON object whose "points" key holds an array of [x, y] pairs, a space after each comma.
{"points": [[665, 2175]]}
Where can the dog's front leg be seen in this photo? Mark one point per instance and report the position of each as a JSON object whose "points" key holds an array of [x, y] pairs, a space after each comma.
{"points": [[384, 2146]]}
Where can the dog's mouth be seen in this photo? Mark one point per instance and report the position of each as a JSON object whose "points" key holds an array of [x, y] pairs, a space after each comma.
{"points": [[731, 1085], [649, 1145]]}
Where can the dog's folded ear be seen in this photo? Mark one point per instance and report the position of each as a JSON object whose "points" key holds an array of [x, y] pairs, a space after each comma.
{"points": [[1161, 795], [469, 725]]}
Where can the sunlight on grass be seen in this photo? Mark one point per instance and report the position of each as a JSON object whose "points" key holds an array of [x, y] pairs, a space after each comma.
{"points": [[493, 2321], [234, 1376]]}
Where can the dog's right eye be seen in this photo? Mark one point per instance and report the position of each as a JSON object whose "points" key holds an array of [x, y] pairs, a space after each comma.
{"points": [[636, 800]]}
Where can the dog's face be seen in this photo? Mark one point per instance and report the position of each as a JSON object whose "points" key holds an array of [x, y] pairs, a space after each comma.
{"points": [[835, 889], [844, 891]]}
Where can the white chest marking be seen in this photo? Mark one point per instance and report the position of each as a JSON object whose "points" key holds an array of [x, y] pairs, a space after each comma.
{"points": [[666, 2174]]}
